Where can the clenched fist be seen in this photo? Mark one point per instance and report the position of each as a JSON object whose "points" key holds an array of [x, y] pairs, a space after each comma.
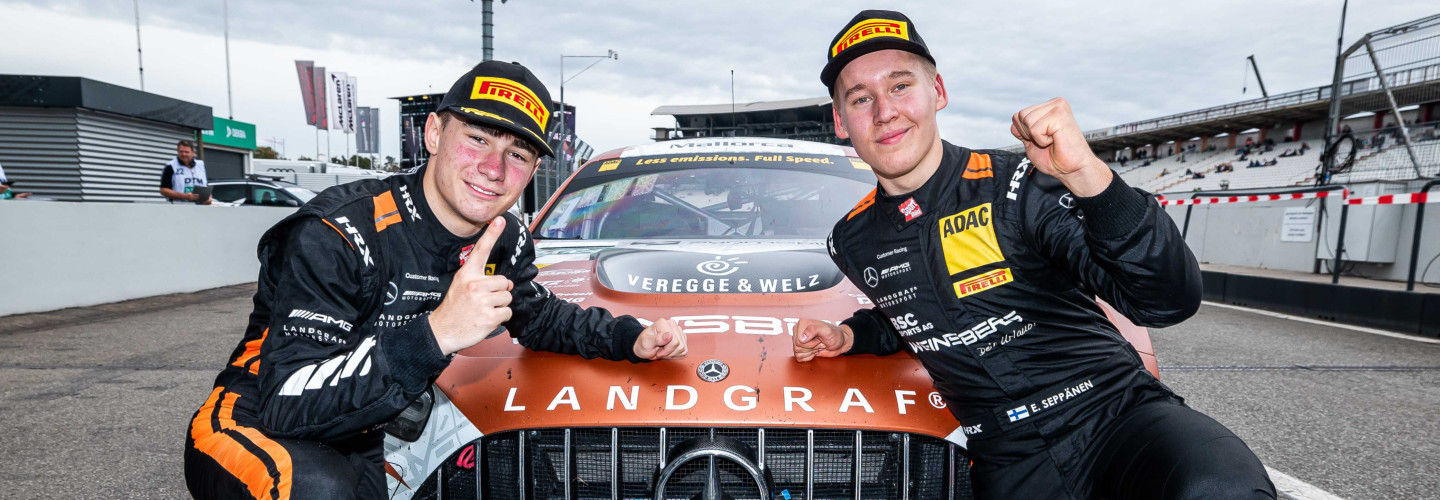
{"points": [[661, 340], [1057, 147], [817, 338], [476, 304]]}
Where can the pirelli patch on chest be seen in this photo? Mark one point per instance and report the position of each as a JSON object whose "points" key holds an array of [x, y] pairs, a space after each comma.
{"points": [[983, 282], [968, 239]]}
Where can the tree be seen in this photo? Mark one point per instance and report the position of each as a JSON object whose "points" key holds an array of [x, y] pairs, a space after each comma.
{"points": [[391, 165], [266, 153], [305, 158]]}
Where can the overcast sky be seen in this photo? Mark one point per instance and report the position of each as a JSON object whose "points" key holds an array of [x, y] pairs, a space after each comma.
{"points": [[1116, 61]]}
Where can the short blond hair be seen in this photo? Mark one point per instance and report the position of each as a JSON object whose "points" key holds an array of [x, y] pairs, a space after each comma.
{"points": [[925, 65]]}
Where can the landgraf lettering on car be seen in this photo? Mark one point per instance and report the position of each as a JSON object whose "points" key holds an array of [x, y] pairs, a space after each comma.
{"points": [[680, 397]]}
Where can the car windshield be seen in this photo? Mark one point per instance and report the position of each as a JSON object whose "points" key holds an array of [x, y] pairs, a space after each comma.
{"points": [[304, 195], [705, 203]]}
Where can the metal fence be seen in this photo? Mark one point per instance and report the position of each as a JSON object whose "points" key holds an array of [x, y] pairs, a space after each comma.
{"points": [[1383, 68]]}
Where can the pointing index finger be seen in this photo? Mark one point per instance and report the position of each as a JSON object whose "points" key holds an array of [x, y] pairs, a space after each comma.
{"points": [[480, 253]]}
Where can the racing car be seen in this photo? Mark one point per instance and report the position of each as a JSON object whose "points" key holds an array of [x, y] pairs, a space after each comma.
{"points": [[726, 236]]}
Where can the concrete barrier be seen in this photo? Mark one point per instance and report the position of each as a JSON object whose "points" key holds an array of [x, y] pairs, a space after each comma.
{"points": [[55, 255]]}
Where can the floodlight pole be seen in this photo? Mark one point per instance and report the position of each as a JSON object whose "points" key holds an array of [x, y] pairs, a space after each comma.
{"points": [[1332, 130], [564, 129], [229, 97], [139, 54], [733, 121], [487, 21]]}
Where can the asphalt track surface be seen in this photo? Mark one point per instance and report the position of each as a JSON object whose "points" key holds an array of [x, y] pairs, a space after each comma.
{"points": [[94, 401]]}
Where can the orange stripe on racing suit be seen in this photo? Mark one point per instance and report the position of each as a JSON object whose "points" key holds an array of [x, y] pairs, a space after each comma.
{"points": [[864, 204], [386, 213], [979, 167], [342, 233], [252, 349], [216, 438]]}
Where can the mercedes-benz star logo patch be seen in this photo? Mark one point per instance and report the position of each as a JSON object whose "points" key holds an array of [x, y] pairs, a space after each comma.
{"points": [[872, 278], [1067, 200], [713, 370]]}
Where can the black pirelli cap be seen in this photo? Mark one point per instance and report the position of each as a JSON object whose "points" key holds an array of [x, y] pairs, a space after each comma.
{"points": [[503, 95], [868, 32]]}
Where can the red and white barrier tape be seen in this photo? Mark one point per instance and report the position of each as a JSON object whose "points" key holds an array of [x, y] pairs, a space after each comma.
{"points": [[1389, 199], [1252, 198], [1394, 199]]}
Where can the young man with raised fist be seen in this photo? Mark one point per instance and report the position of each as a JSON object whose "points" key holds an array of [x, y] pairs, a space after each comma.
{"points": [[993, 261], [367, 292]]}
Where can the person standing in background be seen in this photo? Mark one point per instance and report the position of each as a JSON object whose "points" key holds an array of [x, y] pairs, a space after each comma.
{"points": [[183, 174], [5, 185]]}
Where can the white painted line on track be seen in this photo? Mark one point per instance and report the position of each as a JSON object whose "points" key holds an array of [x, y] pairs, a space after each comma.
{"points": [[1303, 319], [1289, 487]]}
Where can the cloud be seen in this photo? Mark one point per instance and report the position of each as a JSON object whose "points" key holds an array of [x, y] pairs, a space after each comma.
{"points": [[1116, 61]]}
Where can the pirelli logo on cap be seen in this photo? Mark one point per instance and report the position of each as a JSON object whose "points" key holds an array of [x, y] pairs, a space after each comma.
{"points": [[873, 28], [514, 94], [968, 239], [982, 282]]}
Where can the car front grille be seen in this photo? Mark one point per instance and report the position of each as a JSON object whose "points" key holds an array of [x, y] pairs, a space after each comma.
{"points": [[625, 462]]}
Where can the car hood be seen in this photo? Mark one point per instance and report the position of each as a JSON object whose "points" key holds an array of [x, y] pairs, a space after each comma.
{"points": [[737, 301]]}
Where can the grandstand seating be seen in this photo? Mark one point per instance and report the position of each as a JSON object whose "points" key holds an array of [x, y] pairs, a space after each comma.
{"points": [[1389, 162], [1392, 162], [1288, 171]]}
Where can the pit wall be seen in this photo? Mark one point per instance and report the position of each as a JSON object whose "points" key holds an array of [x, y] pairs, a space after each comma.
{"points": [[1249, 234], [58, 254]]}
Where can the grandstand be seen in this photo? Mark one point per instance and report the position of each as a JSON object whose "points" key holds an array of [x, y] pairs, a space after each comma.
{"points": [[1387, 88], [800, 119], [1383, 123]]}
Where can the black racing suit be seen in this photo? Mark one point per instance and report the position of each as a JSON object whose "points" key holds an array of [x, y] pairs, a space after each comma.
{"points": [[988, 273], [339, 342]]}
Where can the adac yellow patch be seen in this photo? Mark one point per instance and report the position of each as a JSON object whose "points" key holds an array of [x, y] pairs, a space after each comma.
{"points": [[983, 282], [859, 164], [609, 165], [968, 239], [871, 29], [489, 269], [512, 93]]}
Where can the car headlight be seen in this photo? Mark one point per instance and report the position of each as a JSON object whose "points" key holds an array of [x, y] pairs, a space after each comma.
{"points": [[410, 423]]}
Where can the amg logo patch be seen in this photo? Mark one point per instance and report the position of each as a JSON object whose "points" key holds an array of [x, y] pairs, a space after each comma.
{"points": [[968, 239], [321, 318]]}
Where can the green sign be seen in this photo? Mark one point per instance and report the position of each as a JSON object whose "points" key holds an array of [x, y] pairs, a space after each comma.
{"points": [[231, 133]]}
